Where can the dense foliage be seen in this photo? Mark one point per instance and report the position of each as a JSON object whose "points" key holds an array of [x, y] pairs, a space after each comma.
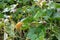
{"points": [[30, 19]]}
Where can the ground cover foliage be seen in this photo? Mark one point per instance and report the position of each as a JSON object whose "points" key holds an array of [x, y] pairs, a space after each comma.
{"points": [[30, 20]]}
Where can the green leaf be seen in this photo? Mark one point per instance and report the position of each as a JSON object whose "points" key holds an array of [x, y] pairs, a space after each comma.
{"points": [[57, 5], [27, 19], [9, 28], [38, 14], [41, 36], [31, 35], [56, 16], [25, 26], [56, 31], [1, 15], [2, 5]]}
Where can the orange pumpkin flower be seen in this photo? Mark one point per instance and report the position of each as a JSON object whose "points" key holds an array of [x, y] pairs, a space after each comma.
{"points": [[18, 25]]}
